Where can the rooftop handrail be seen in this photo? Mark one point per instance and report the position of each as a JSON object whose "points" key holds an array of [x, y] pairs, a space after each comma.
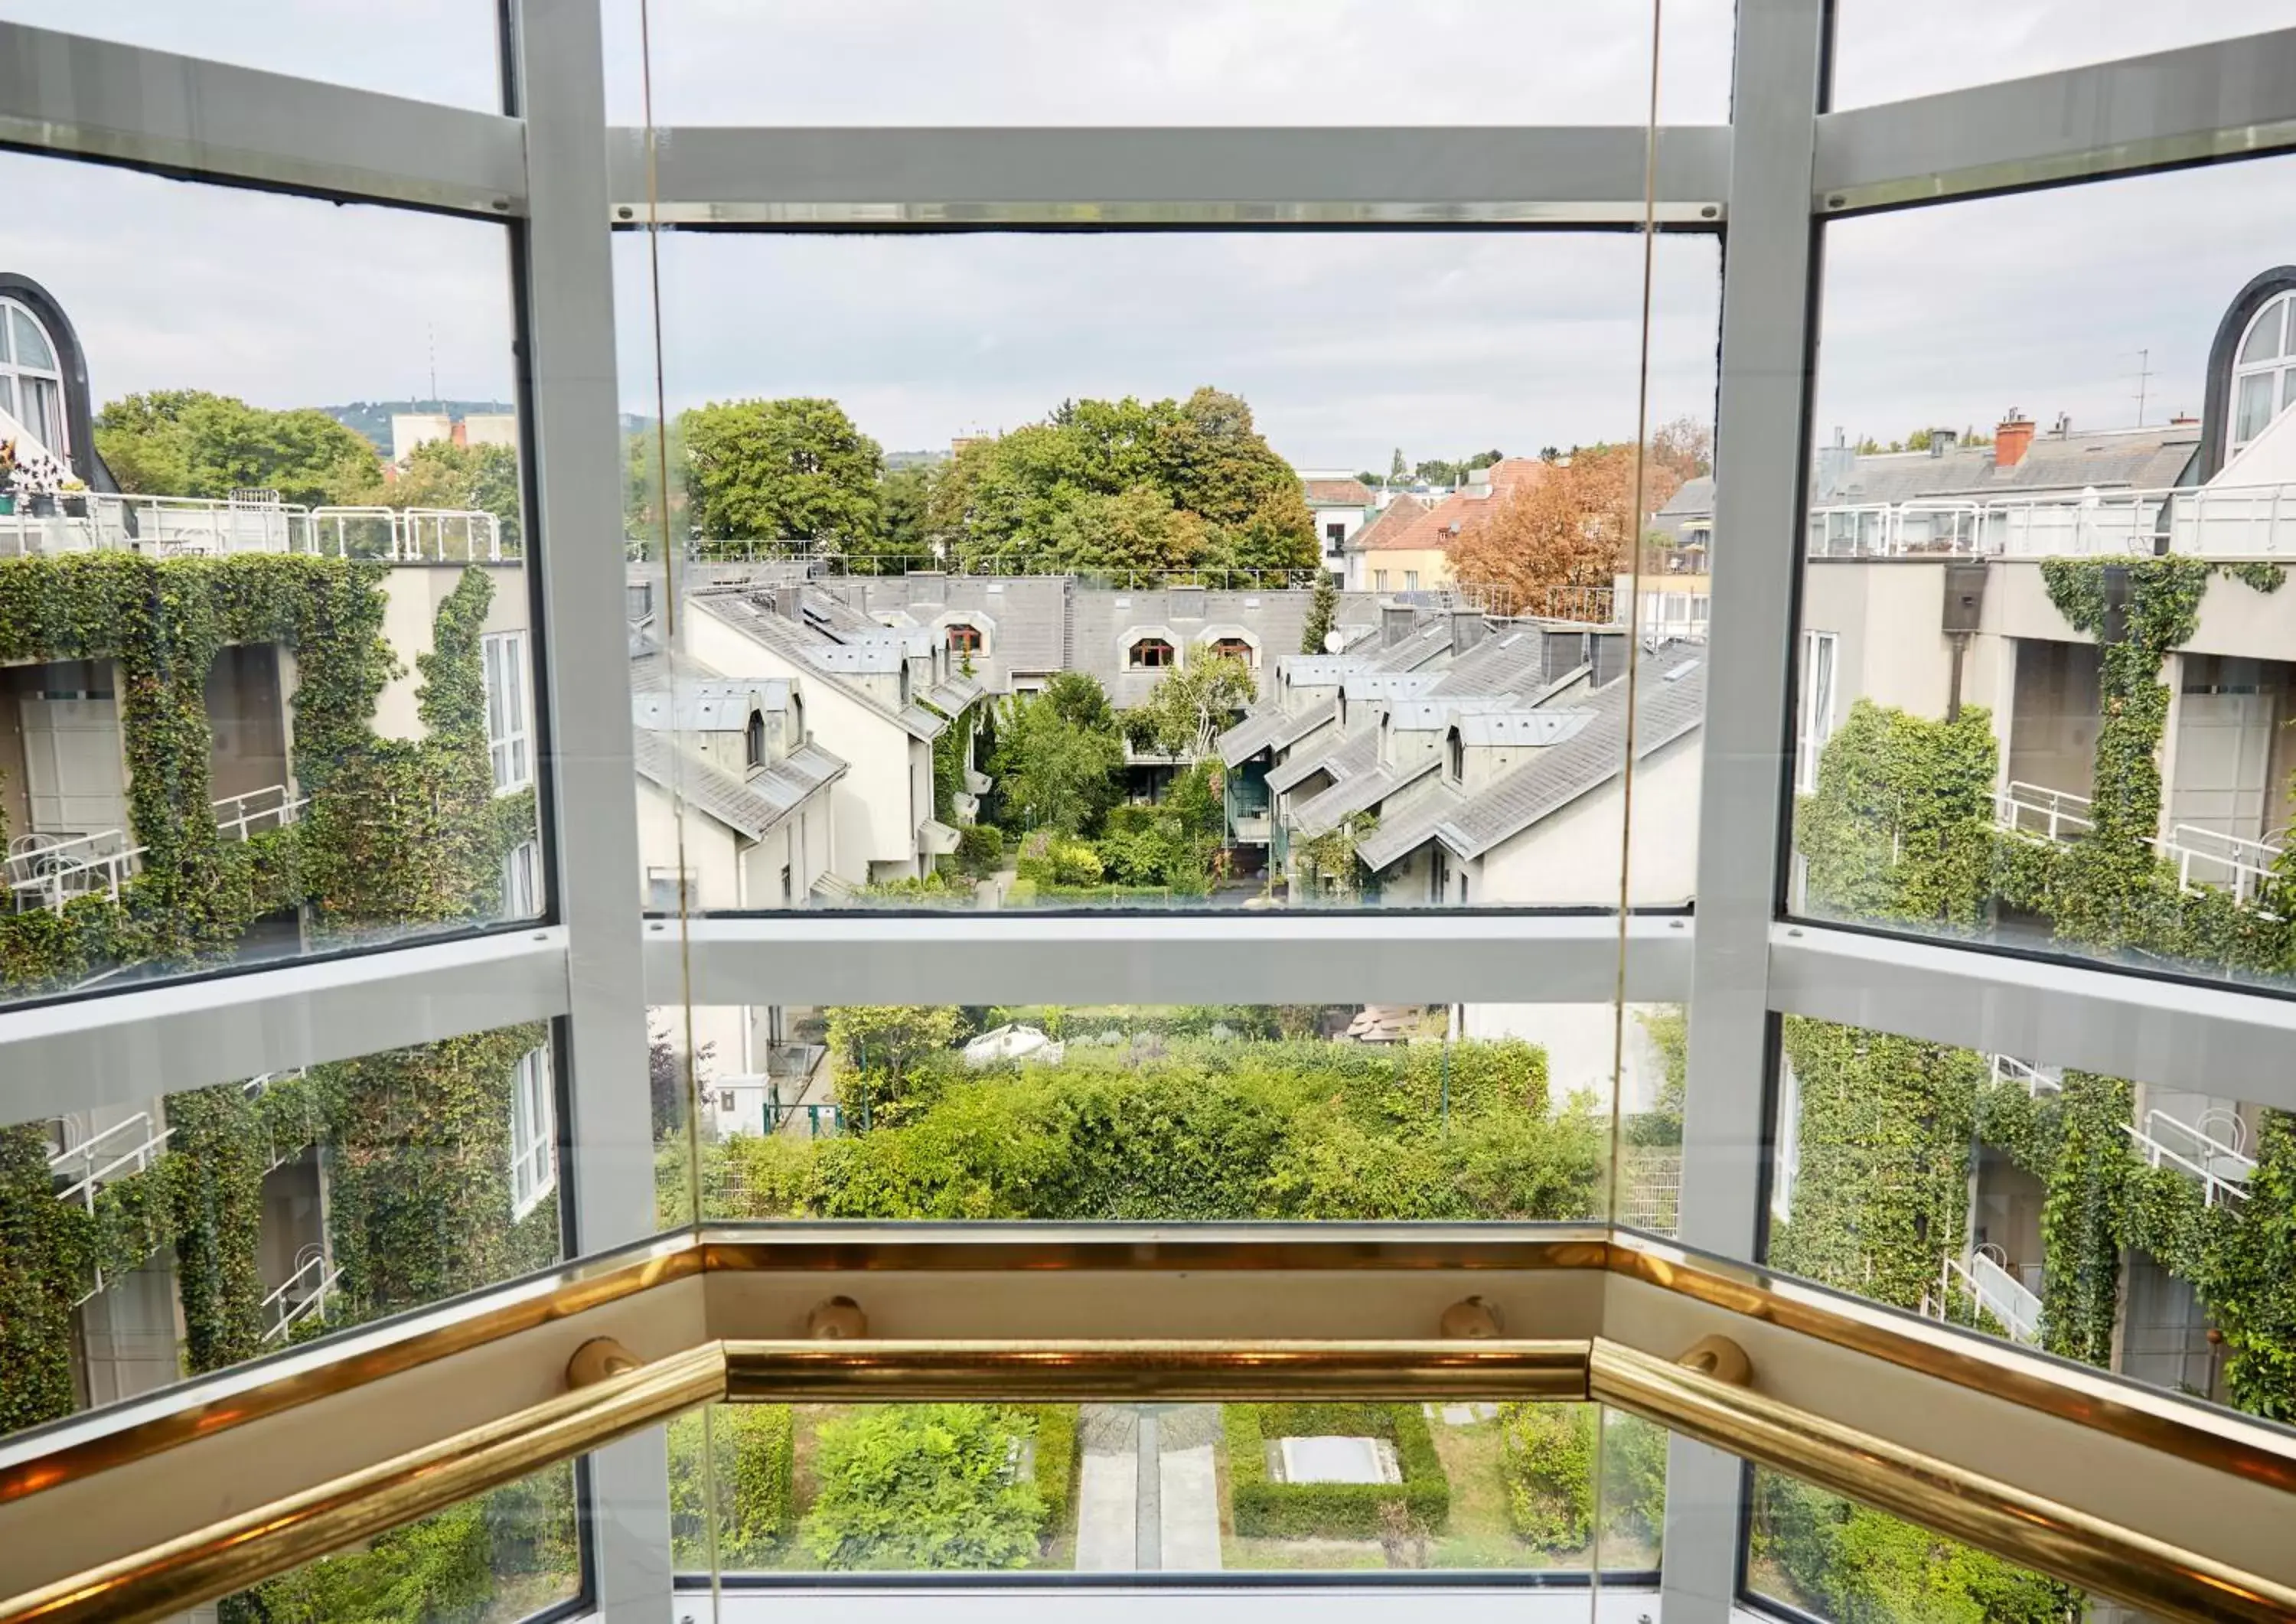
{"points": [[148, 1140], [248, 522], [2203, 520]]}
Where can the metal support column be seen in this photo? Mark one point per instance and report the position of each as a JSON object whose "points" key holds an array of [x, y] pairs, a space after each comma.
{"points": [[574, 437], [1760, 439]]}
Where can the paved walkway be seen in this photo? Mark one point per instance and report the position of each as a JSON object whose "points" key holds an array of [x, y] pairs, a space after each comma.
{"points": [[1148, 1492]]}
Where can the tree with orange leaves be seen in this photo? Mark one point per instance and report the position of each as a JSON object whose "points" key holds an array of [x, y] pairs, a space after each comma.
{"points": [[1554, 546]]}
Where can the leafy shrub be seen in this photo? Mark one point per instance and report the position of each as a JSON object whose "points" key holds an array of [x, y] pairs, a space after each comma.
{"points": [[979, 850], [752, 1446], [1056, 1462], [1548, 1463], [1263, 1508], [1053, 859], [925, 1486], [435, 1572], [1859, 1565]]}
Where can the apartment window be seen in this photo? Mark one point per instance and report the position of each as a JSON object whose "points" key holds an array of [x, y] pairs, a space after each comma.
{"points": [[1334, 536], [2264, 374], [31, 378], [1235, 648], [963, 638], [533, 1134], [508, 746], [522, 891], [1379, 580], [670, 890], [1816, 724], [1411, 581], [1153, 653]]}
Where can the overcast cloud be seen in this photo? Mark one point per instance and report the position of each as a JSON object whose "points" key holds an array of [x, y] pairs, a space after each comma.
{"points": [[1346, 346]]}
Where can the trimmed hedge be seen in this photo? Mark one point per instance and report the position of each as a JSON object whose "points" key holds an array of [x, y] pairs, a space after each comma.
{"points": [[753, 1447], [1056, 1463], [1266, 1509]]}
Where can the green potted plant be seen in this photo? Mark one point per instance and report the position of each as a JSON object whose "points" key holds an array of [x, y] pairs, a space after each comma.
{"points": [[74, 493], [7, 476]]}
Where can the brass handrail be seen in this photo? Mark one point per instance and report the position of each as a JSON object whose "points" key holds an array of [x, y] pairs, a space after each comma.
{"points": [[2107, 1556]]}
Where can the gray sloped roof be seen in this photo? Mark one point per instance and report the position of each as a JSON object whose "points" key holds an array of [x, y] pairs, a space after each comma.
{"points": [[1386, 685], [717, 704], [1273, 729], [1358, 792], [1341, 758], [749, 807], [1539, 729], [954, 696], [797, 643], [1511, 660], [1413, 649], [1671, 701]]}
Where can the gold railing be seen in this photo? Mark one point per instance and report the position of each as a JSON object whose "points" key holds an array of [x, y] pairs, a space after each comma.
{"points": [[1764, 1382]]}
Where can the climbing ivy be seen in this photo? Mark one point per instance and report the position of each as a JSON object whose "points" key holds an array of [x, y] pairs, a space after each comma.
{"points": [[1901, 824], [214, 1169], [45, 1257]]}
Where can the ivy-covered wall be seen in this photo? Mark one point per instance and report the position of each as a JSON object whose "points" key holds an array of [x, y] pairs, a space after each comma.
{"points": [[397, 832]]}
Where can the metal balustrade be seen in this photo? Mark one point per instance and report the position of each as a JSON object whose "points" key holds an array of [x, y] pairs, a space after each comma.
{"points": [[1986, 1282], [200, 526], [50, 872], [302, 1295], [2231, 521], [122, 1151], [2202, 857], [2222, 1169], [2035, 1080]]}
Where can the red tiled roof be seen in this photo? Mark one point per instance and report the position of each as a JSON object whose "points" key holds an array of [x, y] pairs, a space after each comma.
{"points": [[1339, 493], [1419, 528]]}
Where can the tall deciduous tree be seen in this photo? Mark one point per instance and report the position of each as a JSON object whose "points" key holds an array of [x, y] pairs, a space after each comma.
{"points": [[191, 443], [1567, 529], [794, 470], [440, 473], [1057, 756], [1192, 704]]}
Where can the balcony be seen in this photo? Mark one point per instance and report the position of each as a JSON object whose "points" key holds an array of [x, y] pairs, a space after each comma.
{"points": [[49, 871], [1252, 828], [2208, 1151], [1984, 1283], [2202, 857], [2226, 523], [192, 527]]}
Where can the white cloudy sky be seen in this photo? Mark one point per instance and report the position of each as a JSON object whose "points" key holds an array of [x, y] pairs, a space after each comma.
{"points": [[1346, 345]]}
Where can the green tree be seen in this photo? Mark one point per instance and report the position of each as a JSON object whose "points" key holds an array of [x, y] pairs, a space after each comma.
{"points": [[1192, 704], [1057, 756], [906, 492], [794, 470], [886, 1046], [440, 473], [1127, 486], [922, 1486], [1323, 615], [191, 443], [1396, 468]]}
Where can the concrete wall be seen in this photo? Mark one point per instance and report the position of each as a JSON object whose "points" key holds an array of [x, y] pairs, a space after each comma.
{"points": [[710, 850], [1572, 858], [1432, 564], [412, 594]]}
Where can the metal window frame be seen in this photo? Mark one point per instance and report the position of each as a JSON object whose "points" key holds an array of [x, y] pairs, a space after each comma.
{"points": [[564, 180]]}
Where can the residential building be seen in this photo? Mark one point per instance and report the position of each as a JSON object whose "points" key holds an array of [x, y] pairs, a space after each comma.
{"points": [[1407, 547], [1342, 504]]}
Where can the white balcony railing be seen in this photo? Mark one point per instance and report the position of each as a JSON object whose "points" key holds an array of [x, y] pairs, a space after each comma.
{"points": [[49, 871], [196, 527], [2035, 1080], [1985, 1283], [301, 1295], [122, 1151], [2233, 521], [2223, 1170], [2206, 858]]}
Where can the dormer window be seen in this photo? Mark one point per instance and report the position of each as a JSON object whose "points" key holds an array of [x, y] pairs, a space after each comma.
{"points": [[1153, 653], [1235, 648], [2264, 375], [754, 752], [31, 378], [961, 638], [1458, 765]]}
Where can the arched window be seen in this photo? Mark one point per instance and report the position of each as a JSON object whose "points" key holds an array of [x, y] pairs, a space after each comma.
{"points": [[1151, 653], [2264, 373], [31, 379], [1458, 756], [963, 639], [755, 752], [1235, 648]]}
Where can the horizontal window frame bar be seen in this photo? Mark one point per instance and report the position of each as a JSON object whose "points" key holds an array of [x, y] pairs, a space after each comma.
{"points": [[1590, 175], [2119, 1022], [2228, 98], [1228, 957], [126, 1047], [72, 97]]}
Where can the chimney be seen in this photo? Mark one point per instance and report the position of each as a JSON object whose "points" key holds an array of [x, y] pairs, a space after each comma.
{"points": [[460, 433], [1394, 623], [1608, 655], [1468, 628], [2010, 439], [789, 603]]}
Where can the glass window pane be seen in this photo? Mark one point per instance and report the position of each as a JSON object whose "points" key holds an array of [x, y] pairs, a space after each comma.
{"points": [[1201, 1489], [336, 531], [190, 1233], [31, 347], [1146, 708], [2264, 338], [2061, 665], [435, 50], [1883, 53], [1200, 61], [506, 1555]]}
